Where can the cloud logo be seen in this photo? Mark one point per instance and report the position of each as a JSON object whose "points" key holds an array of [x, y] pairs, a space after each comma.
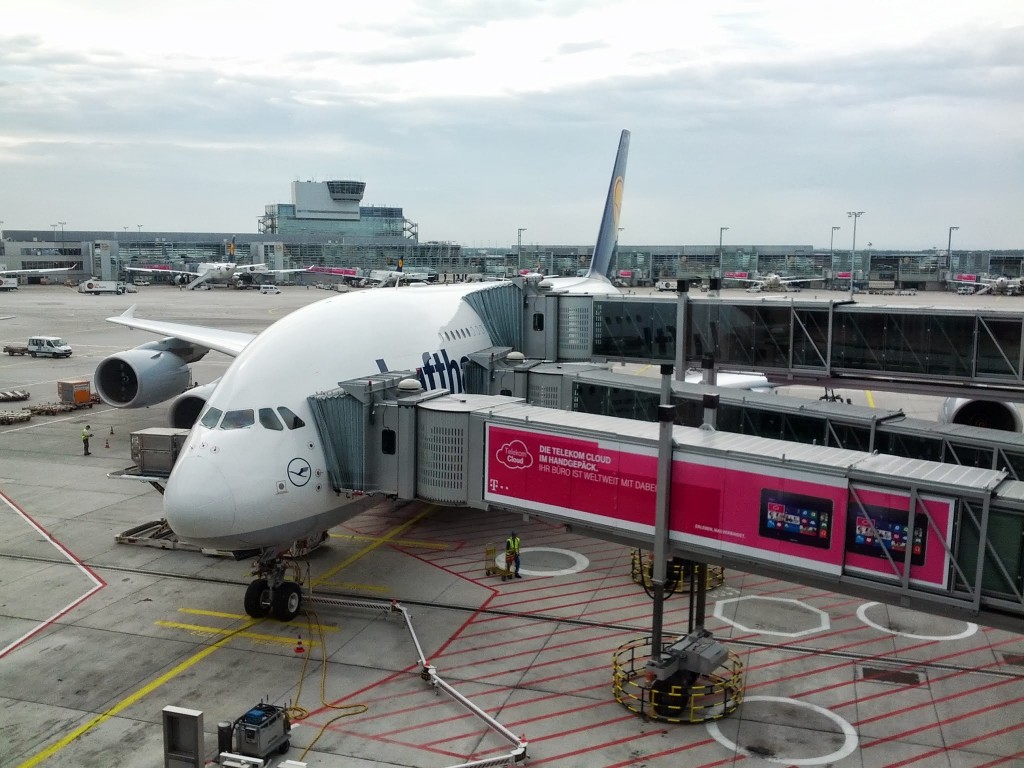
{"points": [[515, 455]]}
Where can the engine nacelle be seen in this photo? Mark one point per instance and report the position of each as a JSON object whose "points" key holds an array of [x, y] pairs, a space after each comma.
{"points": [[991, 414], [146, 375], [189, 404]]}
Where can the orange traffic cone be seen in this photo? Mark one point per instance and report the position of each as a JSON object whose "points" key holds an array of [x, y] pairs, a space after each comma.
{"points": [[111, 429], [106, 443], [298, 646]]}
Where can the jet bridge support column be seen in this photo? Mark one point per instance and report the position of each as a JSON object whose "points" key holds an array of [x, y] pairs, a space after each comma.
{"points": [[666, 421]]}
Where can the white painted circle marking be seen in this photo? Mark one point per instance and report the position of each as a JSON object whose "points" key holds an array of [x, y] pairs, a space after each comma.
{"points": [[862, 614], [850, 741], [823, 620], [580, 562]]}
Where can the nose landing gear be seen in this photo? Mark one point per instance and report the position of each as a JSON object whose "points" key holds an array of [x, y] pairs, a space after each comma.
{"points": [[269, 593]]}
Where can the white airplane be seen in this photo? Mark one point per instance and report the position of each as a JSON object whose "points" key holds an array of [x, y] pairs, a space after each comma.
{"points": [[252, 477], [215, 271], [33, 271], [1009, 286], [769, 282]]}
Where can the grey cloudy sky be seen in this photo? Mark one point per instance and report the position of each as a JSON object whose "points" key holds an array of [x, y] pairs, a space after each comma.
{"points": [[771, 118]]}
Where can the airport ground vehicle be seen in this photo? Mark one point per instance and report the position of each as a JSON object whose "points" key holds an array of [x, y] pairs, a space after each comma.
{"points": [[16, 349], [54, 346], [97, 287], [268, 288], [8, 283]]}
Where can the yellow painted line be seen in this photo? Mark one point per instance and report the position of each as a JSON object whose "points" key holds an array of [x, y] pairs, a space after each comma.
{"points": [[220, 615], [871, 398], [398, 542], [386, 539], [203, 629], [214, 614], [130, 700]]}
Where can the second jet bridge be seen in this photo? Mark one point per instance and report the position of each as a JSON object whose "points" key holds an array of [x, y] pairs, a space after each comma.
{"points": [[934, 537]]}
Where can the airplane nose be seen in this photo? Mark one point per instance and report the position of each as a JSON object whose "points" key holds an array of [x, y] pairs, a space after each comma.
{"points": [[198, 502]]}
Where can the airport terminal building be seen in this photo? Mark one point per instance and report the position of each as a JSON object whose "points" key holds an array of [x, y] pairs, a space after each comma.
{"points": [[325, 225]]}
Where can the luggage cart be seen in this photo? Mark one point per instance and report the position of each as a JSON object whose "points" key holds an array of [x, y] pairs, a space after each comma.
{"points": [[491, 568]]}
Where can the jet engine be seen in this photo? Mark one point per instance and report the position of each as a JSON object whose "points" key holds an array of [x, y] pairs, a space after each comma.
{"points": [[189, 404], [146, 375], [991, 414]]}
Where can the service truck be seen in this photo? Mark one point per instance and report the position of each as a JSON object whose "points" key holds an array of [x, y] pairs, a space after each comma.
{"points": [[97, 287], [8, 283]]}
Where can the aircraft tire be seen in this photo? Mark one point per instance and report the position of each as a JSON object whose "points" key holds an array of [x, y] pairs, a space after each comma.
{"points": [[287, 601], [256, 599]]}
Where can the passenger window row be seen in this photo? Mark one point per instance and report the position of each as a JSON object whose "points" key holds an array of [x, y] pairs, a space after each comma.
{"points": [[463, 333]]}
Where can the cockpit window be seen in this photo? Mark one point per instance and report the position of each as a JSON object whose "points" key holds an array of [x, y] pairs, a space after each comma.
{"points": [[290, 419], [211, 417], [238, 419], [269, 419]]}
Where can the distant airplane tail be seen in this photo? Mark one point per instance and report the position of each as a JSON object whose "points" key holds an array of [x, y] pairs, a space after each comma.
{"points": [[608, 234]]}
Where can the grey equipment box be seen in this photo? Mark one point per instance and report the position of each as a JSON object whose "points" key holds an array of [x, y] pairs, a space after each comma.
{"points": [[155, 450]]}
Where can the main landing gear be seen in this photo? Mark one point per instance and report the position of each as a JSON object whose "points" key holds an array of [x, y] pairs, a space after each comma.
{"points": [[269, 593]]}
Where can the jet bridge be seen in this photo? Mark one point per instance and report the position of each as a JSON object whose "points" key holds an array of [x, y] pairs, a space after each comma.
{"points": [[963, 351], [934, 537]]}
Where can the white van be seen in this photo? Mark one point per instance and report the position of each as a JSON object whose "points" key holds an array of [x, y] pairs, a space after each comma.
{"points": [[53, 346], [267, 288]]}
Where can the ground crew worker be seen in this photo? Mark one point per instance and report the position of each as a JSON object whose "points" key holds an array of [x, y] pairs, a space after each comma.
{"points": [[86, 434], [512, 551]]}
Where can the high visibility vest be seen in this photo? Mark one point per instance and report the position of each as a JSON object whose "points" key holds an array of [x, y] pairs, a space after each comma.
{"points": [[512, 545], [86, 434]]}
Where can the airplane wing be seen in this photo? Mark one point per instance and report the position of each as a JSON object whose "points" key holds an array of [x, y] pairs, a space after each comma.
{"points": [[149, 271], [33, 271], [229, 342], [790, 280]]}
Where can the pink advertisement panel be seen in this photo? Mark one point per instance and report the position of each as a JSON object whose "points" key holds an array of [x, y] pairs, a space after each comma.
{"points": [[879, 520], [793, 519]]}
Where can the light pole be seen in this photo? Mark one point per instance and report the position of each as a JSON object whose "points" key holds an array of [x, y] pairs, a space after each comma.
{"points": [[519, 250], [853, 252], [721, 254], [832, 251], [949, 247], [140, 241]]}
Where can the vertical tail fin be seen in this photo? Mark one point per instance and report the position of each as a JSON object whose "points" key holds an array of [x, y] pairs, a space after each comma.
{"points": [[608, 234]]}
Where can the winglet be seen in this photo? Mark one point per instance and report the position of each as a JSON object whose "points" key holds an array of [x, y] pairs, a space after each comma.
{"points": [[608, 234], [129, 314]]}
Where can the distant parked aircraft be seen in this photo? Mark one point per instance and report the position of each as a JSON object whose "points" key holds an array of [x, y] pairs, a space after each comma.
{"points": [[242, 275], [769, 282], [1009, 286]]}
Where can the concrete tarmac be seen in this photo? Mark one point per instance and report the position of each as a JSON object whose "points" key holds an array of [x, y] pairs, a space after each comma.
{"points": [[96, 637]]}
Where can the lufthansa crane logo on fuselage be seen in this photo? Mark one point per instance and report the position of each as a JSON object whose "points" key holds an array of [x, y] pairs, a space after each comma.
{"points": [[299, 472]]}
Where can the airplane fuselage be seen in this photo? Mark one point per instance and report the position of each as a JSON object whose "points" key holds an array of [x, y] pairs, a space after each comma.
{"points": [[247, 459]]}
